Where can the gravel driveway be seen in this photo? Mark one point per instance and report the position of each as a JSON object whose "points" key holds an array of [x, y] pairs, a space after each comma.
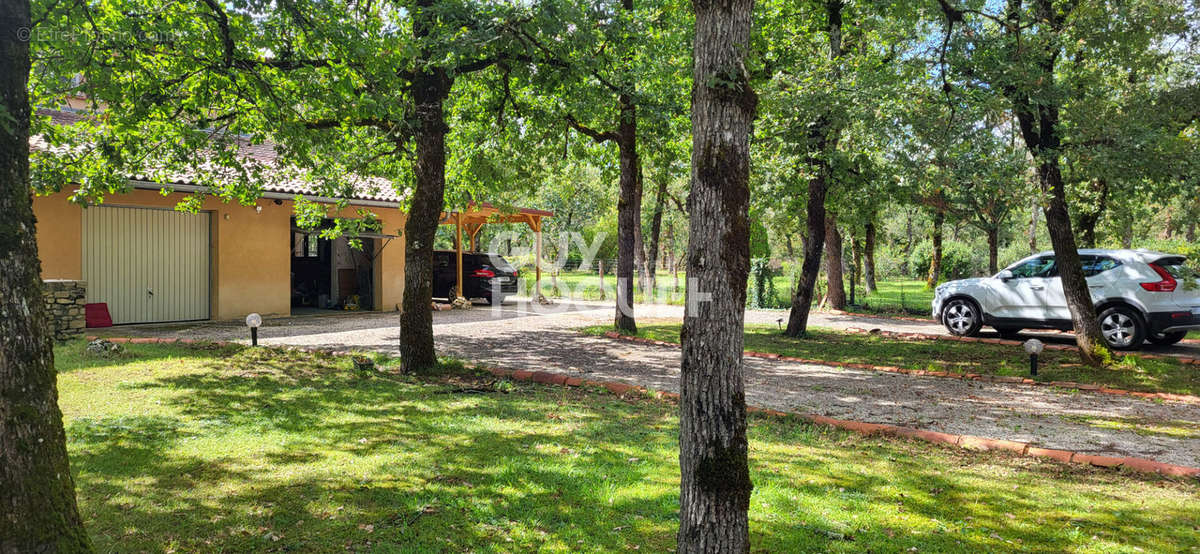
{"points": [[517, 336]]}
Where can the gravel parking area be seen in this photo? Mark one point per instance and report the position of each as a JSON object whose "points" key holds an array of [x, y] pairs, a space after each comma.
{"points": [[523, 336]]}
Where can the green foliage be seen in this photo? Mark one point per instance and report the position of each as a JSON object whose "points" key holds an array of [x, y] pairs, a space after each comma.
{"points": [[958, 261], [762, 285], [760, 244], [185, 88]]}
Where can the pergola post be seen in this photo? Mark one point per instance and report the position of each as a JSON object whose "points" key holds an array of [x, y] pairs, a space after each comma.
{"points": [[470, 222], [537, 265], [459, 251]]}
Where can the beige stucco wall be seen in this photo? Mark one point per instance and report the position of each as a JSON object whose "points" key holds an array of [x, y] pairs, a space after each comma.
{"points": [[251, 250]]}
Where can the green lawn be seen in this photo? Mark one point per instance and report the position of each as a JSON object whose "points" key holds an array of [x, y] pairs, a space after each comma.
{"points": [[898, 298], [906, 298], [1133, 372], [586, 286], [237, 449]]}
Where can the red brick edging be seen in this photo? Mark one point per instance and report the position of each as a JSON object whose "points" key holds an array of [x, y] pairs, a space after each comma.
{"points": [[969, 442], [1090, 387]]}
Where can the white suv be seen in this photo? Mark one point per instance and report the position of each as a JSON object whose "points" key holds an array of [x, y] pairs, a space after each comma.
{"points": [[1139, 295]]}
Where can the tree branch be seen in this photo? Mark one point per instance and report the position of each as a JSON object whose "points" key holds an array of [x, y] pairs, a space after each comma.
{"points": [[598, 136]]}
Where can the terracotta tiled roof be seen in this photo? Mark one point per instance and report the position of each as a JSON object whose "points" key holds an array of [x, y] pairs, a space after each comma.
{"points": [[282, 180]]}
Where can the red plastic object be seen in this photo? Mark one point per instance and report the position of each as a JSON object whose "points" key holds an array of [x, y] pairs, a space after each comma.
{"points": [[97, 315]]}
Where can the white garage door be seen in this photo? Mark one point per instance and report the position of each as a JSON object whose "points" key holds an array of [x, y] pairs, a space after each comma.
{"points": [[148, 265]]}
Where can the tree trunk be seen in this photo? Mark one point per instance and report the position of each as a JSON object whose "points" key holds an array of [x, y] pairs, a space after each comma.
{"points": [[993, 240], [935, 264], [869, 257], [1066, 255], [1033, 220], [629, 213], [1039, 127], [714, 467], [824, 137], [38, 512], [429, 91], [855, 264], [640, 259], [909, 241], [810, 268], [655, 233], [834, 263], [629, 204]]}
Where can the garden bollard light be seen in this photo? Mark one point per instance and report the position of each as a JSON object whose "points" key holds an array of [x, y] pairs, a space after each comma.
{"points": [[253, 321], [1033, 347]]}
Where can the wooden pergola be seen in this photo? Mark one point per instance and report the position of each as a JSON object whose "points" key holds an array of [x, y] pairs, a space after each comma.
{"points": [[476, 215]]}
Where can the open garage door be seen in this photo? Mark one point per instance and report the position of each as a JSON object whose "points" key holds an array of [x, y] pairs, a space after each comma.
{"points": [[149, 265]]}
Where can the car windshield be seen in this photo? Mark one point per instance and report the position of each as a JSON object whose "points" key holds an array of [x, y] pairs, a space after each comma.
{"points": [[1037, 267]]}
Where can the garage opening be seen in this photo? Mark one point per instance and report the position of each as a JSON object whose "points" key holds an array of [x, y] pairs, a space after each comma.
{"points": [[149, 265], [329, 274]]}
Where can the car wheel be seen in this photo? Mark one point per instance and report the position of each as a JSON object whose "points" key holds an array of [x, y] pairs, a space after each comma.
{"points": [[1009, 332], [1122, 328], [962, 317], [1167, 339]]}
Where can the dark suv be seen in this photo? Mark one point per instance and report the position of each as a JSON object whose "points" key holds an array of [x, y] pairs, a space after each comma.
{"points": [[485, 275]]}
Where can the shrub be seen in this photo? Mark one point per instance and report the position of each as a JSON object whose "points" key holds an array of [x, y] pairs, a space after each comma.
{"points": [[958, 260], [761, 293]]}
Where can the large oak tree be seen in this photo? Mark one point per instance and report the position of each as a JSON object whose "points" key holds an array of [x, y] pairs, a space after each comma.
{"points": [[346, 92], [38, 512], [715, 476]]}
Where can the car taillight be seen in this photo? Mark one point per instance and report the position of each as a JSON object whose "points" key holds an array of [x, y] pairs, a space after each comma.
{"points": [[487, 273], [1167, 284]]}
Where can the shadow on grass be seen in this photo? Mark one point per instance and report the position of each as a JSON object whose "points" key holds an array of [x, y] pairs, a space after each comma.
{"points": [[954, 500], [283, 451]]}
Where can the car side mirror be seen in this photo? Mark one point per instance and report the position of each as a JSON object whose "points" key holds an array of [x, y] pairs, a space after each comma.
{"points": [[1005, 275]]}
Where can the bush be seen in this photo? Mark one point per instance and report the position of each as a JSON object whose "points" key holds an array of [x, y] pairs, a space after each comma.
{"points": [[762, 284], [891, 263], [958, 261], [1012, 252], [1181, 247]]}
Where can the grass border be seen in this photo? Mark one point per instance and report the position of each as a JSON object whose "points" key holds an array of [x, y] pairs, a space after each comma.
{"points": [[1089, 387]]}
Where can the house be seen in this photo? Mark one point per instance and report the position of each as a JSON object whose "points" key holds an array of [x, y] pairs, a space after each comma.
{"points": [[151, 263]]}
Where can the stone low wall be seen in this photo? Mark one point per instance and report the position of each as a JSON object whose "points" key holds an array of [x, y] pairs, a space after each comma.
{"points": [[64, 302]]}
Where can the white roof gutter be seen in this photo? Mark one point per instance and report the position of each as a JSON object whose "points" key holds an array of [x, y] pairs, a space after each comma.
{"points": [[150, 185]]}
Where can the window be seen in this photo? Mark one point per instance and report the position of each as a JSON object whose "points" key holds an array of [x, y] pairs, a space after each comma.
{"points": [[1174, 266], [305, 246], [1037, 267], [1095, 265]]}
